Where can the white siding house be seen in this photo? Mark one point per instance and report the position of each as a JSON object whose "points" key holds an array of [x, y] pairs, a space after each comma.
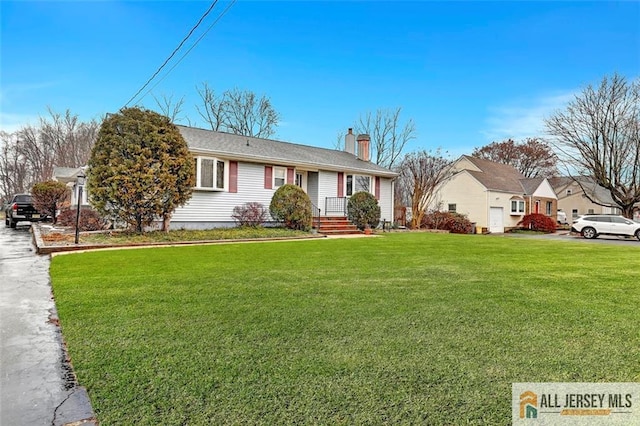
{"points": [[233, 170]]}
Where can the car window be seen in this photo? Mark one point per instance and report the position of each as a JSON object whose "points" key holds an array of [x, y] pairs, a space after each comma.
{"points": [[620, 220], [23, 198]]}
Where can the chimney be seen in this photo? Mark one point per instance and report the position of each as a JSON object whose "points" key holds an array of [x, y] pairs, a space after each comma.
{"points": [[363, 147], [350, 142]]}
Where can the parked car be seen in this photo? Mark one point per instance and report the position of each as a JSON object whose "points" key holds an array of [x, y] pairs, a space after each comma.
{"points": [[562, 218], [20, 209], [591, 226]]}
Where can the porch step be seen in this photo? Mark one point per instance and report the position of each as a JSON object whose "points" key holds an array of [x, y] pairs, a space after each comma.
{"points": [[330, 225]]}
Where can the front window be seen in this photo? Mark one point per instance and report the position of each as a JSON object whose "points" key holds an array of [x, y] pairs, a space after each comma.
{"points": [[211, 173], [517, 207], [549, 207], [357, 183], [279, 176], [452, 208]]}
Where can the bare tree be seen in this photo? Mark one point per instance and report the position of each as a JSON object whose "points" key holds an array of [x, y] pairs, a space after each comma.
{"points": [[169, 108], [421, 173], [30, 154], [388, 135], [533, 157], [14, 173], [598, 135], [237, 111]]}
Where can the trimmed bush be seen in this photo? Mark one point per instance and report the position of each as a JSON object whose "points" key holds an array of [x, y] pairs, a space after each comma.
{"points": [[455, 223], [363, 210], [291, 206], [90, 220], [251, 214], [538, 222]]}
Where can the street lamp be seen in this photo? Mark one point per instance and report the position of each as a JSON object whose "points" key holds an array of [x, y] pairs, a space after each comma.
{"points": [[79, 183]]}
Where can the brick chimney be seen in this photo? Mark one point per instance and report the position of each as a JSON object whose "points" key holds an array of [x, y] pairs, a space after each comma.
{"points": [[363, 147]]}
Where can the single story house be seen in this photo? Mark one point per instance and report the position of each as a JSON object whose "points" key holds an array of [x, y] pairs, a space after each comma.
{"points": [[232, 170], [494, 196]]}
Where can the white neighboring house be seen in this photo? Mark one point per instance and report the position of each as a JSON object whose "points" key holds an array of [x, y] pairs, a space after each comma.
{"points": [[494, 196], [232, 170], [69, 176]]}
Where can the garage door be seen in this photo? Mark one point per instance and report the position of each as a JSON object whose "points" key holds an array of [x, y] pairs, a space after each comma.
{"points": [[496, 220]]}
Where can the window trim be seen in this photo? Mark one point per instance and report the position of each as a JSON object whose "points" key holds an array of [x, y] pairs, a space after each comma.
{"points": [[354, 177], [274, 172], [519, 207], [216, 161]]}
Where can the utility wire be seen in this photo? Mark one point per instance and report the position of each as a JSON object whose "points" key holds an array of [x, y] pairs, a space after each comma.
{"points": [[174, 52], [190, 49]]}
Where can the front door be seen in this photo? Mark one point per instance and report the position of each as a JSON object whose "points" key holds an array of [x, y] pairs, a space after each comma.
{"points": [[496, 220], [301, 179]]}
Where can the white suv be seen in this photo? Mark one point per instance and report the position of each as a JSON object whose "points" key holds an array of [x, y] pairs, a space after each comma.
{"points": [[590, 226]]}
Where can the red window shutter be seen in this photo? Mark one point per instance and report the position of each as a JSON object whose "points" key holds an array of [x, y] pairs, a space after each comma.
{"points": [[233, 176], [377, 190], [290, 175], [340, 184], [268, 177]]}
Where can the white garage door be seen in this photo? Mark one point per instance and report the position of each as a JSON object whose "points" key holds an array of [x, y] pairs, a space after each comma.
{"points": [[496, 220]]}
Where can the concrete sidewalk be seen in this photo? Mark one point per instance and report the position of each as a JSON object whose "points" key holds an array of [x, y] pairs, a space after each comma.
{"points": [[37, 385]]}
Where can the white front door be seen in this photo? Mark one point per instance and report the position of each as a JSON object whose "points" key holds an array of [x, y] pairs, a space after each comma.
{"points": [[301, 179], [496, 220]]}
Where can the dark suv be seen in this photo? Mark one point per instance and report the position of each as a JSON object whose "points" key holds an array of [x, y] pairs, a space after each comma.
{"points": [[20, 209], [590, 226]]}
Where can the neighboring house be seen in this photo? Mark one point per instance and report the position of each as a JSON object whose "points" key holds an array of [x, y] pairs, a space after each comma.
{"points": [[573, 201], [232, 170], [494, 196], [69, 176]]}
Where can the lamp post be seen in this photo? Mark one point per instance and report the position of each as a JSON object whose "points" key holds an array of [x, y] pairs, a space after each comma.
{"points": [[79, 183]]}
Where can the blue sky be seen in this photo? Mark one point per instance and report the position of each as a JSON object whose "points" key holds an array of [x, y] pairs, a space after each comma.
{"points": [[467, 73]]}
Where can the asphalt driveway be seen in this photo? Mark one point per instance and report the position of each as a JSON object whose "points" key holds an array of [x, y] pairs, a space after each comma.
{"points": [[37, 385]]}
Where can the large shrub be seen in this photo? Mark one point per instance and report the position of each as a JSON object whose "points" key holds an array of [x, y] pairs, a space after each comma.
{"points": [[90, 220], [291, 206], [250, 214], [140, 168], [49, 196], [363, 210], [538, 222], [455, 223]]}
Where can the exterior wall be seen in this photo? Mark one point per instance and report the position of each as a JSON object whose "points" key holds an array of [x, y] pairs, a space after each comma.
{"points": [[327, 187], [386, 199], [503, 199], [578, 201], [207, 209], [469, 196]]}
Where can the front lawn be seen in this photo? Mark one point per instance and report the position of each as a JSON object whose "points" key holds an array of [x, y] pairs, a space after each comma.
{"points": [[413, 328]]}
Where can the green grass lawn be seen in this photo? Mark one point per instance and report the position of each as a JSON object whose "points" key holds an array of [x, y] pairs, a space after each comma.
{"points": [[408, 328]]}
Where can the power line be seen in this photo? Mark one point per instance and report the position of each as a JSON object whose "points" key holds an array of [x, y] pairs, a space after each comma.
{"points": [[174, 52], [190, 49]]}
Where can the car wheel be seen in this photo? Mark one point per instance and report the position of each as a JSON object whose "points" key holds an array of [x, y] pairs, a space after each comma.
{"points": [[589, 233], [638, 234], [12, 223], [6, 221]]}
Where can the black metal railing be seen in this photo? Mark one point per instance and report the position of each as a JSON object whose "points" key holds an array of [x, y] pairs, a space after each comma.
{"points": [[315, 211], [335, 205]]}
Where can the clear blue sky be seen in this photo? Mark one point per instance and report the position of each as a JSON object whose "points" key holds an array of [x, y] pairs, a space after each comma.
{"points": [[467, 73]]}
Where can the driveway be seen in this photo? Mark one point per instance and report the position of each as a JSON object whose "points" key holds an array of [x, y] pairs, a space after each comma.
{"points": [[566, 236], [37, 384]]}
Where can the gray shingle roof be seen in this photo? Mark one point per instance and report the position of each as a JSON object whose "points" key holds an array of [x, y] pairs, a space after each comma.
{"points": [[497, 176], [267, 151]]}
